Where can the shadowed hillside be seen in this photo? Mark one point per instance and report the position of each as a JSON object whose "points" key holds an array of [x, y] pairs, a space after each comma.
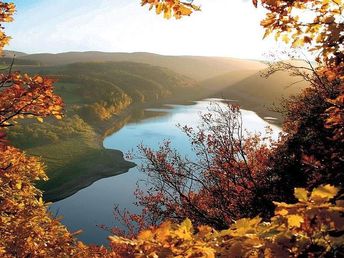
{"points": [[198, 68], [255, 92], [11, 54]]}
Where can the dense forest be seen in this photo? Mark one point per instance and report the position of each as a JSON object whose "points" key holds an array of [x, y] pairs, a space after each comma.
{"points": [[244, 196]]}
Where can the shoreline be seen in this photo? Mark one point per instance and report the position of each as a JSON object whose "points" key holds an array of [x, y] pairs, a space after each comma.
{"points": [[120, 165], [103, 162]]}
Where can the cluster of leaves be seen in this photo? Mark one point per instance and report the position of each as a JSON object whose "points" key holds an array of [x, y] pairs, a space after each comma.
{"points": [[236, 176], [6, 15], [334, 119], [176, 8], [23, 96], [309, 228], [226, 180], [317, 24], [26, 227], [312, 148]]}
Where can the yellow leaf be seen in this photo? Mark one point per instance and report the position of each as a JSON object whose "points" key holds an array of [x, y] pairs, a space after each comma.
{"points": [[267, 22], [184, 10], [19, 185], [185, 230], [301, 194], [243, 227], [285, 38], [167, 13], [39, 119], [145, 235], [39, 79], [295, 220], [298, 42], [325, 192], [267, 33], [163, 232], [281, 212], [159, 8]]}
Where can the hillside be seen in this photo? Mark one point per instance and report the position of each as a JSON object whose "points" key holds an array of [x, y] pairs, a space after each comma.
{"points": [[255, 92], [195, 67], [18, 62], [11, 53]]}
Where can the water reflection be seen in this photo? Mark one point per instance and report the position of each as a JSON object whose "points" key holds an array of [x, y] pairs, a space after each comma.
{"points": [[93, 205]]}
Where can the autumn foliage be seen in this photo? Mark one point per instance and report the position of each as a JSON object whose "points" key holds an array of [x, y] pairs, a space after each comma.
{"points": [[309, 228], [27, 229], [6, 15], [226, 180], [235, 174], [170, 8]]}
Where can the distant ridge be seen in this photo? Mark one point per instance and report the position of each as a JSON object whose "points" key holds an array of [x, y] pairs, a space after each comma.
{"points": [[196, 67], [11, 54]]}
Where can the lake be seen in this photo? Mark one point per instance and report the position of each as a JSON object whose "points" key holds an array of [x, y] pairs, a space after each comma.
{"points": [[94, 204]]}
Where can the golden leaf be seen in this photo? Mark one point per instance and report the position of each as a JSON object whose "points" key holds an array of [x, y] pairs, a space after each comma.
{"points": [[163, 232], [159, 8], [184, 10], [19, 185], [145, 235], [285, 38], [301, 194], [185, 230], [243, 227], [39, 79], [281, 212], [325, 192], [298, 42], [295, 220]]}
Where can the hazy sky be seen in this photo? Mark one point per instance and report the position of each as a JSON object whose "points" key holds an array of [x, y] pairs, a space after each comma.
{"points": [[223, 28]]}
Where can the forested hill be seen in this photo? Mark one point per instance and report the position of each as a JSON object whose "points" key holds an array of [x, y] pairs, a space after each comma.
{"points": [[195, 67], [105, 88], [253, 91]]}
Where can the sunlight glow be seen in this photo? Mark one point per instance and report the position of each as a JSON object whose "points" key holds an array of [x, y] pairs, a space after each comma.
{"points": [[223, 28]]}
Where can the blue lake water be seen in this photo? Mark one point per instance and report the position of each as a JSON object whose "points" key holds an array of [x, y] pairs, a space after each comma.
{"points": [[94, 204]]}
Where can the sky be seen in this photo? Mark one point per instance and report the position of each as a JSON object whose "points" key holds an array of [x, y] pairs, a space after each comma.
{"points": [[222, 28]]}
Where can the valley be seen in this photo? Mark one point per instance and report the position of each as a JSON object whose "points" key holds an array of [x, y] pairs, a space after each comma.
{"points": [[104, 91]]}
